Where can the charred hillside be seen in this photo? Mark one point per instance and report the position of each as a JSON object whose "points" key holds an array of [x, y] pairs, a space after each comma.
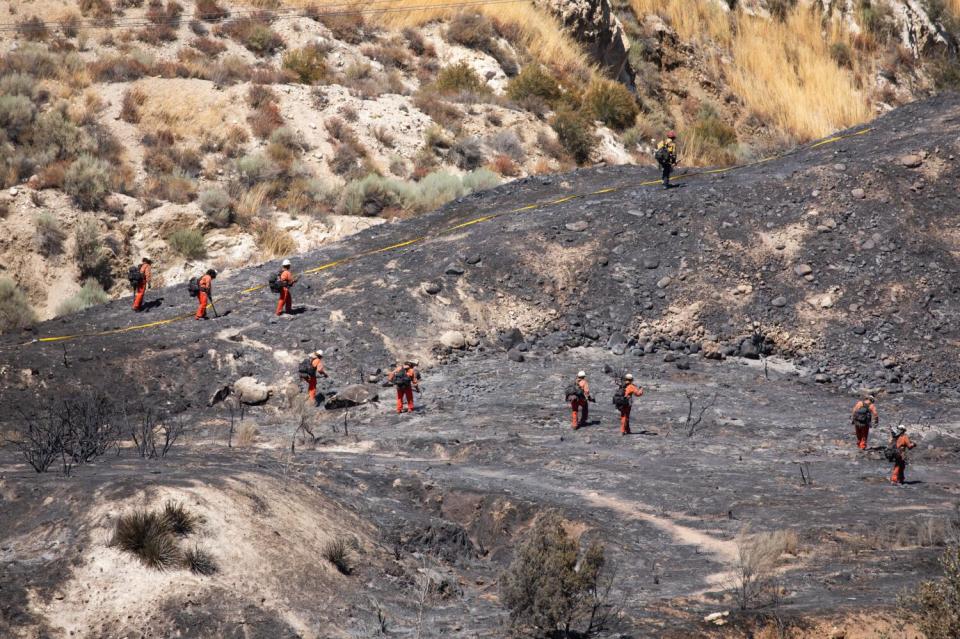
{"points": [[845, 252]]}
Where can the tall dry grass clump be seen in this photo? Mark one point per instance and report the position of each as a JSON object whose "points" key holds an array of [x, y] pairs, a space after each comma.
{"points": [[693, 20]]}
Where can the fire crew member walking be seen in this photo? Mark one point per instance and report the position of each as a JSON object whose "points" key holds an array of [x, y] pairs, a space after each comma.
{"points": [[206, 293], [666, 157], [315, 369], [863, 416], [900, 444], [579, 402], [286, 280], [144, 283], [627, 391], [406, 378]]}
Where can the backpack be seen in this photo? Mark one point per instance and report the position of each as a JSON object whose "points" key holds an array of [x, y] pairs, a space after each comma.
{"points": [[275, 284], [307, 369], [193, 287], [135, 276], [663, 155], [574, 393], [620, 398], [892, 453], [863, 415], [401, 378]]}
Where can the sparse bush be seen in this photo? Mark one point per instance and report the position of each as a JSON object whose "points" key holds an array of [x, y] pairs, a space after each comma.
{"points": [[87, 181], [231, 70], [460, 78], [70, 26], [189, 243], [307, 63], [133, 99], [935, 605], [145, 535], [265, 120], [208, 46], [199, 561], [467, 153], [417, 43], [87, 245], [440, 111], [337, 552], [347, 159], [246, 435], [611, 103], [57, 138], [507, 143], [348, 28], [780, 9], [33, 29], [877, 18], [117, 68], [259, 96], [210, 11], [398, 166], [504, 165], [256, 167], [18, 84], [15, 310], [48, 237], [178, 520], [274, 241], [841, 54], [383, 135], [254, 33], [711, 131], [100, 10], [90, 294], [216, 204], [472, 30], [16, 115], [755, 567], [173, 187], [534, 82], [552, 588], [575, 134], [369, 196]]}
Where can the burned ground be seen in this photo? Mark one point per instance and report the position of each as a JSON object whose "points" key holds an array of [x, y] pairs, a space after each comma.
{"points": [[663, 283]]}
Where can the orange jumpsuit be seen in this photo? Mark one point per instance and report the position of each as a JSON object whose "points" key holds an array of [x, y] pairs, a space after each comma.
{"points": [[898, 475], [581, 404], [142, 288], [286, 301], [629, 392], [205, 283], [406, 392], [319, 371], [863, 430]]}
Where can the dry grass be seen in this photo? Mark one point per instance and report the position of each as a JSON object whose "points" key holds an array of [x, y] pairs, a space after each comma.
{"points": [[253, 202], [539, 32], [183, 106], [246, 435], [783, 70], [274, 241]]}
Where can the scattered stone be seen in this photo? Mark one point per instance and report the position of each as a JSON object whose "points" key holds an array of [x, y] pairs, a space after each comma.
{"points": [[13, 192], [251, 391], [749, 350], [821, 378], [510, 338], [711, 350], [515, 356], [431, 288], [664, 282], [911, 161], [859, 330], [779, 246], [453, 339], [669, 357], [803, 269], [353, 395], [453, 269], [473, 260], [591, 333], [651, 263], [683, 363], [578, 226], [858, 194], [780, 301]]}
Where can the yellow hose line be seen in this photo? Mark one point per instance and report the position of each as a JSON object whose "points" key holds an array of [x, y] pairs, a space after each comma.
{"points": [[422, 238]]}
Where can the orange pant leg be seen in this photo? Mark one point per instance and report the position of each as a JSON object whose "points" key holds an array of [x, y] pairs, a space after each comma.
{"points": [[201, 305], [625, 419], [312, 388], [574, 406], [898, 476], [138, 298], [408, 393], [399, 399], [285, 303]]}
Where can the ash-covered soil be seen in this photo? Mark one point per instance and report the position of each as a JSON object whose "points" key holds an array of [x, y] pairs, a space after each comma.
{"points": [[847, 254]]}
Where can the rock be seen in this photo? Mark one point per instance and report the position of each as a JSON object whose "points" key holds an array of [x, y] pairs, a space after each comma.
{"points": [[591, 333], [453, 269], [669, 357], [13, 192], [664, 282], [251, 391], [594, 24], [453, 339], [510, 338], [711, 350], [353, 395], [616, 339], [431, 288], [749, 350], [683, 363], [515, 356], [473, 259], [837, 633], [859, 330], [858, 194], [651, 262], [911, 161], [219, 395], [780, 301], [578, 226], [821, 378]]}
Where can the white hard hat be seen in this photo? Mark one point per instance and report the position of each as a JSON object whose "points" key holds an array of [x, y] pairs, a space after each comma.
{"points": [[146, 258], [628, 377], [318, 353], [285, 263], [581, 374], [899, 428]]}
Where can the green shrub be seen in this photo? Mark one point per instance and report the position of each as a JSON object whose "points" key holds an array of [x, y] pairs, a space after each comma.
{"points": [[575, 133], [877, 17], [178, 520], [256, 167], [552, 588], [534, 82], [16, 115], [611, 103], [467, 153], [55, 137], [841, 54], [90, 294], [189, 243], [87, 181], [18, 84], [217, 205], [49, 236], [472, 30], [712, 130], [480, 180], [254, 33], [87, 247], [308, 64], [15, 310], [33, 29], [145, 535], [460, 78], [369, 196], [373, 194]]}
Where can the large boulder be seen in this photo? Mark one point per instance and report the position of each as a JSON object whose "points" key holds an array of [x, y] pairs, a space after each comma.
{"points": [[249, 390], [353, 395], [453, 339], [594, 25]]}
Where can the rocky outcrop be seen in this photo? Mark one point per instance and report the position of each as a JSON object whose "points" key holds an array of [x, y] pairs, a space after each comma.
{"points": [[918, 30], [594, 25]]}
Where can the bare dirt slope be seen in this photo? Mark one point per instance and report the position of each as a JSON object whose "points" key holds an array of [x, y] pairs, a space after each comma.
{"points": [[664, 283]]}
